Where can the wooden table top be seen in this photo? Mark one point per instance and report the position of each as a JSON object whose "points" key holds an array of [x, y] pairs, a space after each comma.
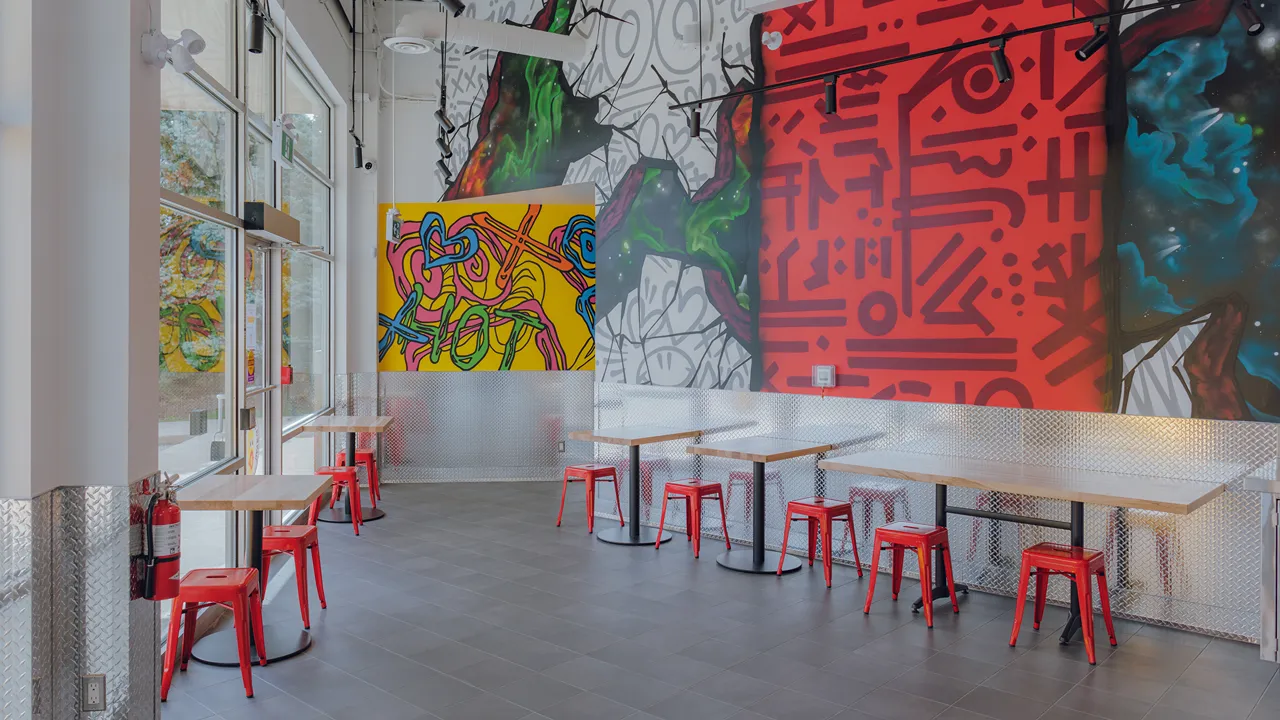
{"points": [[836, 435], [761, 448], [1096, 487], [348, 424], [634, 434], [253, 492]]}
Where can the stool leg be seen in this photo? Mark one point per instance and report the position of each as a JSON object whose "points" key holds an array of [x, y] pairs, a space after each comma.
{"points": [[786, 538], [1104, 598], [724, 523], [315, 564], [897, 570], [875, 570], [170, 649], [1086, 614], [353, 494], [1024, 579], [688, 519], [335, 490], [951, 583], [812, 525], [255, 617], [1042, 594], [826, 549], [300, 573], [188, 636], [617, 502], [849, 526], [375, 492], [240, 619], [696, 521], [564, 489], [662, 521], [591, 505], [926, 583]]}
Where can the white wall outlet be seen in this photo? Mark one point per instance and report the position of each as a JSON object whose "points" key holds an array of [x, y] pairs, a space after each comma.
{"points": [[93, 693], [824, 376], [561, 447]]}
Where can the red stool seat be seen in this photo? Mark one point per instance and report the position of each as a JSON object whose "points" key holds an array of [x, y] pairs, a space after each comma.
{"points": [[922, 540], [235, 588], [590, 473], [345, 476], [819, 512], [296, 540], [368, 460], [1076, 563], [694, 491]]}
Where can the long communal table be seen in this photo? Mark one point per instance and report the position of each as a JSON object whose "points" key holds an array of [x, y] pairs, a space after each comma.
{"points": [[1077, 486]]}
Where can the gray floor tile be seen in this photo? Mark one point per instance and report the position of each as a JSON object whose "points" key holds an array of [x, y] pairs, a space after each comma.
{"points": [[1002, 705], [687, 705], [537, 692], [485, 706], [1104, 704], [891, 704], [933, 686], [788, 704], [492, 673], [735, 688], [588, 706], [1029, 685]]}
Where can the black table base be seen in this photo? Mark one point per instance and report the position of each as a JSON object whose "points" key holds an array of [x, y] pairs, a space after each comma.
{"points": [[746, 561], [368, 513], [284, 640], [625, 536]]}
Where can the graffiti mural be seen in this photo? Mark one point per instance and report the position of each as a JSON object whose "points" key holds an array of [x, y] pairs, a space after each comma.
{"points": [[1096, 235], [488, 287], [192, 294]]}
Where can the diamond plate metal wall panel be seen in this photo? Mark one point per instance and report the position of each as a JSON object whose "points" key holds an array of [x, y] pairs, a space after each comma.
{"points": [[1197, 572], [17, 595], [453, 426]]}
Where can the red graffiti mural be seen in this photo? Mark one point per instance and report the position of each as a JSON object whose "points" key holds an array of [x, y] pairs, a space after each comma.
{"points": [[939, 238]]}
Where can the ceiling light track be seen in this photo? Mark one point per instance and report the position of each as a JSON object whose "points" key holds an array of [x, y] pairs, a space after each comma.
{"points": [[994, 41]]}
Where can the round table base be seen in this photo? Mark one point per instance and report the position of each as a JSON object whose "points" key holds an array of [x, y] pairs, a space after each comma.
{"points": [[340, 515], [283, 641], [743, 560], [622, 536]]}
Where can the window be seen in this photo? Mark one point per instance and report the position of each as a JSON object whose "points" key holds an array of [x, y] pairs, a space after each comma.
{"points": [[306, 335], [196, 392], [213, 20], [307, 199], [196, 156], [309, 113], [261, 185]]}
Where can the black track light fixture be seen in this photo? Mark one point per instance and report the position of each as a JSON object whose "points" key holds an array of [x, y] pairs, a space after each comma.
{"points": [[454, 6], [832, 101], [257, 28], [1249, 18], [999, 62], [1095, 43], [443, 119], [359, 156], [695, 122], [443, 167], [445, 150]]}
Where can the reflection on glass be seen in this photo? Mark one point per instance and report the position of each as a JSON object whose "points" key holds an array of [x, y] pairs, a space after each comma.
{"points": [[255, 325], [306, 335], [307, 199], [259, 75], [213, 20], [255, 438], [194, 373], [195, 142], [261, 179], [309, 113]]}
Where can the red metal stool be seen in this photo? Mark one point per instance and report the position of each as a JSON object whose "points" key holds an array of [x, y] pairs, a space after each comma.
{"points": [[590, 473], [922, 539], [235, 588], [820, 512], [886, 493], [746, 479], [345, 476], [1078, 564], [296, 540], [693, 491], [368, 460]]}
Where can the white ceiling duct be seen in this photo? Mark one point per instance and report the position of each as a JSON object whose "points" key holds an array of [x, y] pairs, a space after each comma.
{"points": [[763, 6], [429, 25]]}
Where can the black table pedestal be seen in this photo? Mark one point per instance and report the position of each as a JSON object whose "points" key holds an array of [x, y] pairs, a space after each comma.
{"points": [[343, 514], [757, 560], [633, 533]]}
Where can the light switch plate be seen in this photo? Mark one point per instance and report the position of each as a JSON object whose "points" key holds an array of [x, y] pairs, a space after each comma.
{"points": [[93, 693], [824, 376]]}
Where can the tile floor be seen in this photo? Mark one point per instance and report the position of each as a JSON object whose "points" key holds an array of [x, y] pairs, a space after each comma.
{"points": [[467, 603]]}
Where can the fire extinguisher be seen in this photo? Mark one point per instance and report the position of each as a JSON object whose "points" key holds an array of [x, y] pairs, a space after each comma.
{"points": [[164, 531]]}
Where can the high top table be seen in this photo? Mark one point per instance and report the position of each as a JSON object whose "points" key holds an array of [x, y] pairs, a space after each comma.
{"points": [[633, 436], [256, 494], [759, 449], [1077, 486], [350, 426]]}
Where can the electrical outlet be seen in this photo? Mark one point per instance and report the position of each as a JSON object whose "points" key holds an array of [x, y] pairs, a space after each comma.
{"points": [[824, 376], [93, 693], [561, 446]]}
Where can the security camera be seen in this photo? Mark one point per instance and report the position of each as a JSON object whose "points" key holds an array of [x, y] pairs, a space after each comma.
{"points": [[368, 166], [157, 49]]}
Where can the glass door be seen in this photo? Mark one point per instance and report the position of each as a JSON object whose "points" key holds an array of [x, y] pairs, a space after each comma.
{"points": [[259, 421]]}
